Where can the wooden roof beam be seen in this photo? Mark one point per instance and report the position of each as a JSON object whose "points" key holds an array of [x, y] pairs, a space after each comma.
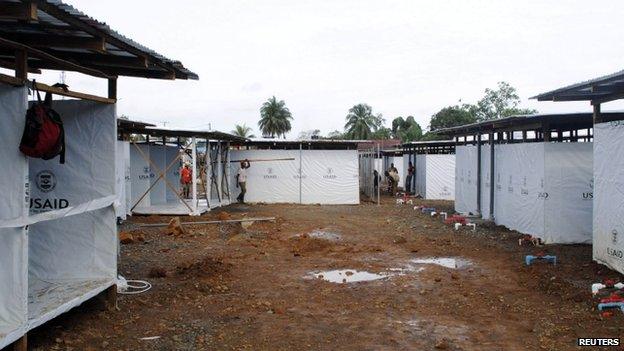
{"points": [[69, 66], [61, 15], [13, 66], [25, 11], [102, 59], [58, 41]]}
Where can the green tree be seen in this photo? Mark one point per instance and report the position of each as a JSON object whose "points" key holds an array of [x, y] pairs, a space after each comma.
{"points": [[336, 134], [406, 129], [452, 116], [362, 123], [310, 134], [499, 103], [242, 130], [382, 133], [274, 118]]}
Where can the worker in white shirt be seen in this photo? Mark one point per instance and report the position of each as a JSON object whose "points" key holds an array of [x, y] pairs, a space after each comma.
{"points": [[241, 180]]}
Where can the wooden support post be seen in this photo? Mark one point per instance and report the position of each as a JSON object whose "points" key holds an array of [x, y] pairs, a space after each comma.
{"points": [[597, 114], [21, 344], [478, 138], [492, 176], [546, 131], [112, 88], [195, 212], [111, 298], [21, 64]]}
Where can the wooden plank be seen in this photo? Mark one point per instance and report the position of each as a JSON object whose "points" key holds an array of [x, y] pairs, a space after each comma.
{"points": [[21, 64], [82, 96], [11, 65], [58, 41], [95, 59], [11, 80], [70, 66], [54, 90], [18, 11], [112, 88], [111, 298]]}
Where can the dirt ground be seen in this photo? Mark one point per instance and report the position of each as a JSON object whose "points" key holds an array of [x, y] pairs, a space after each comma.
{"points": [[222, 287]]}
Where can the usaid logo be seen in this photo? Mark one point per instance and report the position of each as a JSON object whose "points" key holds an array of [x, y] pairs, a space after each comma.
{"points": [[299, 174], [330, 174], [269, 174], [147, 173], [45, 181], [524, 190]]}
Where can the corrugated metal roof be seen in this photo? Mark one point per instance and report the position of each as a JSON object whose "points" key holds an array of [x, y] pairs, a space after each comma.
{"points": [[70, 10], [605, 88], [57, 28], [577, 120]]}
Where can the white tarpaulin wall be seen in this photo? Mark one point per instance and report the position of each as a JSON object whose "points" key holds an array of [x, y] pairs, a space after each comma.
{"points": [[435, 176], [608, 226], [122, 178], [161, 199], [542, 189], [327, 176], [13, 240], [73, 257], [69, 253], [466, 179]]}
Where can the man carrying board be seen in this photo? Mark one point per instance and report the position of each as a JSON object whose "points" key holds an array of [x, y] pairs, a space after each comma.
{"points": [[241, 180]]}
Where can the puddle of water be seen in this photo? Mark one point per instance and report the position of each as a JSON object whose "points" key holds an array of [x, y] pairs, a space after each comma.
{"points": [[349, 276], [447, 262], [323, 234]]}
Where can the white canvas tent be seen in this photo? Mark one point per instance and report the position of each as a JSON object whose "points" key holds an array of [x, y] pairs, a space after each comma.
{"points": [[608, 228], [308, 176], [55, 218], [58, 238], [155, 170], [542, 188], [434, 161], [608, 163]]}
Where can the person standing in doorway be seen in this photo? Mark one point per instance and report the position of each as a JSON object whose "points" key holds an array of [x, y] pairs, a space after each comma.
{"points": [[186, 177], [408, 179], [241, 180]]}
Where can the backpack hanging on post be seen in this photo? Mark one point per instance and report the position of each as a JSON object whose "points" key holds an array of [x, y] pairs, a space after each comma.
{"points": [[44, 136]]}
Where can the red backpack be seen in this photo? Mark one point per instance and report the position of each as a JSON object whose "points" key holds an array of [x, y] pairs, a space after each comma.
{"points": [[44, 136]]}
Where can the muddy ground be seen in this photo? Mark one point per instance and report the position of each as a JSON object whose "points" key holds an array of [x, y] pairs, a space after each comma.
{"points": [[222, 287]]}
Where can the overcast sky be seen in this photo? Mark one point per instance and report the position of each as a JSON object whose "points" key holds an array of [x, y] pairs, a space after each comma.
{"points": [[323, 56]]}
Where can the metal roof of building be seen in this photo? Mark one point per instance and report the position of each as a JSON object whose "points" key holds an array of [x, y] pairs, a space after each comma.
{"points": [[597, 90], [327, 144], [182, 133], [554, 121], [62, 31]]}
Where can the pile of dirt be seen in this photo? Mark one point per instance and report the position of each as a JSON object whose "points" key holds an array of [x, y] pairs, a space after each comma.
{"points": [[175, 227], [204, 268], [304, 243], [224, 216], [130, 237]]}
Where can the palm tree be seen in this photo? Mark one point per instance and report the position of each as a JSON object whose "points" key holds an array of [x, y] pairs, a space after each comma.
{"points": [[274, 118], [361, 123], [242, 130]]}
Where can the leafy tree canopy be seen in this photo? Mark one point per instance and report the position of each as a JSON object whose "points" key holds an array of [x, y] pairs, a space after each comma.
{"points": [[274, 118], [361, 123], [242, 130]]}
